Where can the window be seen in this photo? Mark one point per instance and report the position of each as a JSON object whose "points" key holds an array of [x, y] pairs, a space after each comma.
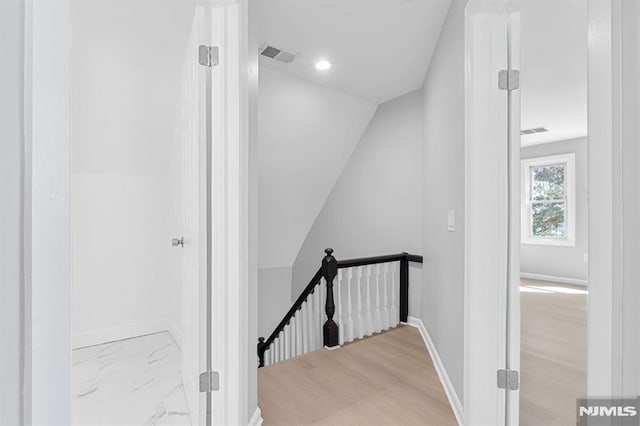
{"points": [[548, 200]]}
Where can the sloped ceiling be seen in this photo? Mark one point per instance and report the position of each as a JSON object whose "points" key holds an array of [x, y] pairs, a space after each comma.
{"points": [[311, 121], [380, 49], [307, 134]]}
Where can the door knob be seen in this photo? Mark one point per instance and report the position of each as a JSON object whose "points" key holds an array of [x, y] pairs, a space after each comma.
{"points": [[177, 242]]}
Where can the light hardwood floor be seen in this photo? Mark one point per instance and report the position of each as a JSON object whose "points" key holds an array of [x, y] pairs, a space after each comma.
{"points": [[386, 379], [389, 379], [553, 352]]}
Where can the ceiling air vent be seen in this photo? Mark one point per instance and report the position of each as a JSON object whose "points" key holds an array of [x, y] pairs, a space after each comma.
{"points": [[276, 53], [533, 131]]}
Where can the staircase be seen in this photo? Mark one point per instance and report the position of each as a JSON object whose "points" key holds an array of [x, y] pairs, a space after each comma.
{"points": [[344, 301]]}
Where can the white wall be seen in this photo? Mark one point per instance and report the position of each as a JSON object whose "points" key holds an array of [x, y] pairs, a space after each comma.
{"points": [[274, 289], [125, 109], [444, 190], [553, 42], [375, 208], [307, 133], [561, 261], [11, 155]]}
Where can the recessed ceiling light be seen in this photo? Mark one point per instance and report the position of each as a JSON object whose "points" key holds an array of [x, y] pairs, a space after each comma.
{"points": [[323, 65]]}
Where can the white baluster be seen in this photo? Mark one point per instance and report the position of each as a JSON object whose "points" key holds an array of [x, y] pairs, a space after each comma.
{"points": [[317, 317], [293, 333], [311, 321], [281, 343], [368, 305], [311, 304], [322, 313], [313, 307], [377, 319], [386, 321], [299, 331], [287, 341], [276, 349], [360, 320], [309, 329], [298, 319], [270, 353], [305, 326], [395, 316], [338, 292], [348, 325]]}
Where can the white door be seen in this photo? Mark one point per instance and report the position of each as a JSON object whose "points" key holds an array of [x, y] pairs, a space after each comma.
{"points": [[492, 240], [512, 359], [215, 144], [192, 201], [213, 176]]}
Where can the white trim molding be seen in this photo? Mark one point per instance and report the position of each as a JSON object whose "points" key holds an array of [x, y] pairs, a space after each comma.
{"points": [[449, 390], [256, 419], [128, 331], [47, 213], [551, 278], [229, 298]]}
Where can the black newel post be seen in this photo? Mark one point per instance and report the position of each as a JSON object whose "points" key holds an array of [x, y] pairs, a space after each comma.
{"points": [[329, 272], [261, 349], [404, 287]]}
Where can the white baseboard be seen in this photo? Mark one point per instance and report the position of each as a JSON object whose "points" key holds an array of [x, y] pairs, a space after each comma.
{"points": [[561, 280], [128, 331], [256, 419], [449, 390]]}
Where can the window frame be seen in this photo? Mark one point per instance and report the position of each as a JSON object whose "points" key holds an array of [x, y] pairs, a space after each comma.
{"points": [[569, 200]]}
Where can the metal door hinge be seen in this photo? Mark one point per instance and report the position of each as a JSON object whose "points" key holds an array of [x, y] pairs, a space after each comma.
{"points": [[209, 381], [509, 80], [508, 379], [208, 56]]}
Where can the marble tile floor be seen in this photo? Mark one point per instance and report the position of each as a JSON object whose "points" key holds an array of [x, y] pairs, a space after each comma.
{"points": [[129, 382]]}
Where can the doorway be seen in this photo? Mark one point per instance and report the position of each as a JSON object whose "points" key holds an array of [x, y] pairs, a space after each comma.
{"points": [[540, 210], [553, 210], [48, 295], [139, 223]]}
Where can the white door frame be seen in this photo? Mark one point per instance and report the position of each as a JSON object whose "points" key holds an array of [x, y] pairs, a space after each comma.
{"points": [[485, 211], [47, 213], [230, 226], [485, 244], [47, 332], [614, 199]]}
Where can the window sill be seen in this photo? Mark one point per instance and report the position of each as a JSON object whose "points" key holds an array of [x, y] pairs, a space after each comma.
{"points": [[549, 242]]}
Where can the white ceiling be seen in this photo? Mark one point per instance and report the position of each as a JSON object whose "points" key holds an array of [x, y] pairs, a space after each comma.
{"points": [[554, 69], [379, 49]]}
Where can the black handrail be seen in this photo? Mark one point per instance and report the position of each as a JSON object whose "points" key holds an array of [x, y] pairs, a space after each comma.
{"points": [[404, 259], [309, 289], [350, 263]]}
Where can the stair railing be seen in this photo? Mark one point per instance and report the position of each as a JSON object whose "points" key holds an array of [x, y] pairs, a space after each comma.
{"points": [[362, 301]]}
